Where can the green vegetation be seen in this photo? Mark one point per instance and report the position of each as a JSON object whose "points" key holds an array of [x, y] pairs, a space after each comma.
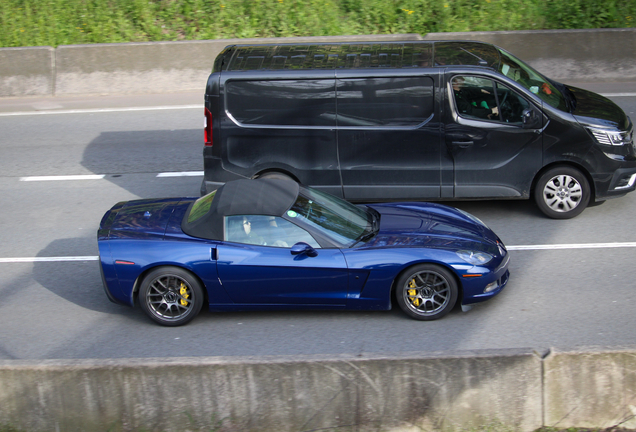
{"points": [[63, 22]]}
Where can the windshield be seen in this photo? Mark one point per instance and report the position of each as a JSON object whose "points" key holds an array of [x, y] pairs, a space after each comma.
{"points": [[201, 207], [337, 219], [532, 80]]}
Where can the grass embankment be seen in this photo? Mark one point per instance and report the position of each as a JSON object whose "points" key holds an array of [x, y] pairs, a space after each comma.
{"points": [[63, 22]]}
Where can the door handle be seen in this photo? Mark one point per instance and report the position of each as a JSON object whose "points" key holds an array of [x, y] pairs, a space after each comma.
{"points": [[462, 144]]}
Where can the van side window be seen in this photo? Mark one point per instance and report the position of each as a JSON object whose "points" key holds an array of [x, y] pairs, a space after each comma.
{"points": [[391, 101], [282, 102], [475, 98], [511, 105], [484, 99]]}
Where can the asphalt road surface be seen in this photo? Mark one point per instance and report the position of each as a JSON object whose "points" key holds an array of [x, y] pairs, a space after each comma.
{"points": [[575, 285]]}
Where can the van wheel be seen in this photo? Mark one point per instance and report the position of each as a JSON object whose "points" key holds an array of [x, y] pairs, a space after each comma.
{"points": [[562, 192], [275, 175]]}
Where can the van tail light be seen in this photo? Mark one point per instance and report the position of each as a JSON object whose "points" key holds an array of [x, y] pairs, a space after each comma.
{"points": [[207, 128]]}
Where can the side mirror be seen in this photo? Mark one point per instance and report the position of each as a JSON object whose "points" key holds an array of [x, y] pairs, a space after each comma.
{"points": [[303, 248], [530, 119]]}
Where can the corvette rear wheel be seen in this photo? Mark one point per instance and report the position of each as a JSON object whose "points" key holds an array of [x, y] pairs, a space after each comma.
{"points": [[171, 296], [426, 292]]}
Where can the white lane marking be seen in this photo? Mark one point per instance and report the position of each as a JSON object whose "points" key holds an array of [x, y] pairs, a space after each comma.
{"points": [[101, 176], [510, 248], [100, 110], [181, 174], [573, 246], [63, 178], [168, 107], [618, 94], [48, 259]]}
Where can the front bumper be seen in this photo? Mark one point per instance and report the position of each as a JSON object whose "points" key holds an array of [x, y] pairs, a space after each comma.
{"points": [[474, 287]]}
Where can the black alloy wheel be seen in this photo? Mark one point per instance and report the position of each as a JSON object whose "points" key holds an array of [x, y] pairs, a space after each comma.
{"points": [[171, 296], [426, 292]]}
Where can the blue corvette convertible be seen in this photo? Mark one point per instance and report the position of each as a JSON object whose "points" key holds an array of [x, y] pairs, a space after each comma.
{"points": [[275, 244]]}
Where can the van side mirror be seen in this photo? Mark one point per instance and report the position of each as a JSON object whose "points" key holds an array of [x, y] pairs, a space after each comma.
{"points": [[530, 119]]}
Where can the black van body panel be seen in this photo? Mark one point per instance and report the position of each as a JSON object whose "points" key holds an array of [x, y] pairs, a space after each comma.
{"points": [[382, 122]]}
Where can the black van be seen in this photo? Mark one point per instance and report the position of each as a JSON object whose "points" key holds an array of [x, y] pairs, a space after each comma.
{"points": [[413, 121]]}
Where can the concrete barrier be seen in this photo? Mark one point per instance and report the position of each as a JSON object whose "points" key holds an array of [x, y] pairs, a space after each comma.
{"points": [[604, 55], [278, 394], [157, 67], [27, 71], [486, 390], [591, 389]]}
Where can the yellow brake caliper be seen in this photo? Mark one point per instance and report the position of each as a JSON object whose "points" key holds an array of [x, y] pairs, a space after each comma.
{"points": [[413, 292], [183, 290]]}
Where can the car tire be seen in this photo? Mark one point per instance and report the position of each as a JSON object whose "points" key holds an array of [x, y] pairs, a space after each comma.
{"points": [[426, 292], [562, 192], [171, 296]]}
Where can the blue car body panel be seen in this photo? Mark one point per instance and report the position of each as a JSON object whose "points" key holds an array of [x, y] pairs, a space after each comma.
{"points": [[137, 236]]}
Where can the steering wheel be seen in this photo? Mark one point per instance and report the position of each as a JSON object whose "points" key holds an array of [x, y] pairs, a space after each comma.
{"points": [[505, 108]]}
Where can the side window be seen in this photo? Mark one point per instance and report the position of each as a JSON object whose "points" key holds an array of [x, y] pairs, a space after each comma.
{"points": [[391, 101], [265, 231], [282, 102], [483, 99], [475, 97], [511, 105]]}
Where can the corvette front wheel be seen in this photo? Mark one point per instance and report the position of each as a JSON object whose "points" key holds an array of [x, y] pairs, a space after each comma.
{"points": [[426, 292], [171, 296]]}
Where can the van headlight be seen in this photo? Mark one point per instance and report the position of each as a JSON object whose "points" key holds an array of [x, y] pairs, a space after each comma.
{"points": [[474, 258], [608, 137]]}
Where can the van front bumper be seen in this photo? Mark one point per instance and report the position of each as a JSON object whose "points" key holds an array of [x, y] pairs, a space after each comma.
{"points": [[621, 182]]}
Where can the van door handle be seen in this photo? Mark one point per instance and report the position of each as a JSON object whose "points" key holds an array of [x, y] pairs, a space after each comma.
{"points": [[463, 144]]}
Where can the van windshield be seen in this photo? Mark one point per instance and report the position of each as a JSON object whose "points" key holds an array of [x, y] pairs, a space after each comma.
{"points": [[536, 83]]}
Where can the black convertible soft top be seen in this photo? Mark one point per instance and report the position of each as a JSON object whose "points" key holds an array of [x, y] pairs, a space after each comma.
{"points": [[268, 197]]}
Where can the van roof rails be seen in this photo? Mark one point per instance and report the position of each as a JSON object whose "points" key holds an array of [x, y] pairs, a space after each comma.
{"points": [[358, 55]]}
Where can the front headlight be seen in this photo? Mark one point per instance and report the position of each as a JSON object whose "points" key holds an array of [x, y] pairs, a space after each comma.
{"points": [[474, 258], [615, 138]]}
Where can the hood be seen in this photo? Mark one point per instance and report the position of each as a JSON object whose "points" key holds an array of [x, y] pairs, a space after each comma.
{"points": [[592, 109], [431, 225], [138, 218]]}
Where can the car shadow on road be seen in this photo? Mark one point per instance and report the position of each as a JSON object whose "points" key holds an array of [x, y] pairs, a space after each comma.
{"points": [[78, 282], [120, 155]]}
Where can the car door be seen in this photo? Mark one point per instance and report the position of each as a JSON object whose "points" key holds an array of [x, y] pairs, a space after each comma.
{"points": [[260, 269], [389, 138], [493, 154]]}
